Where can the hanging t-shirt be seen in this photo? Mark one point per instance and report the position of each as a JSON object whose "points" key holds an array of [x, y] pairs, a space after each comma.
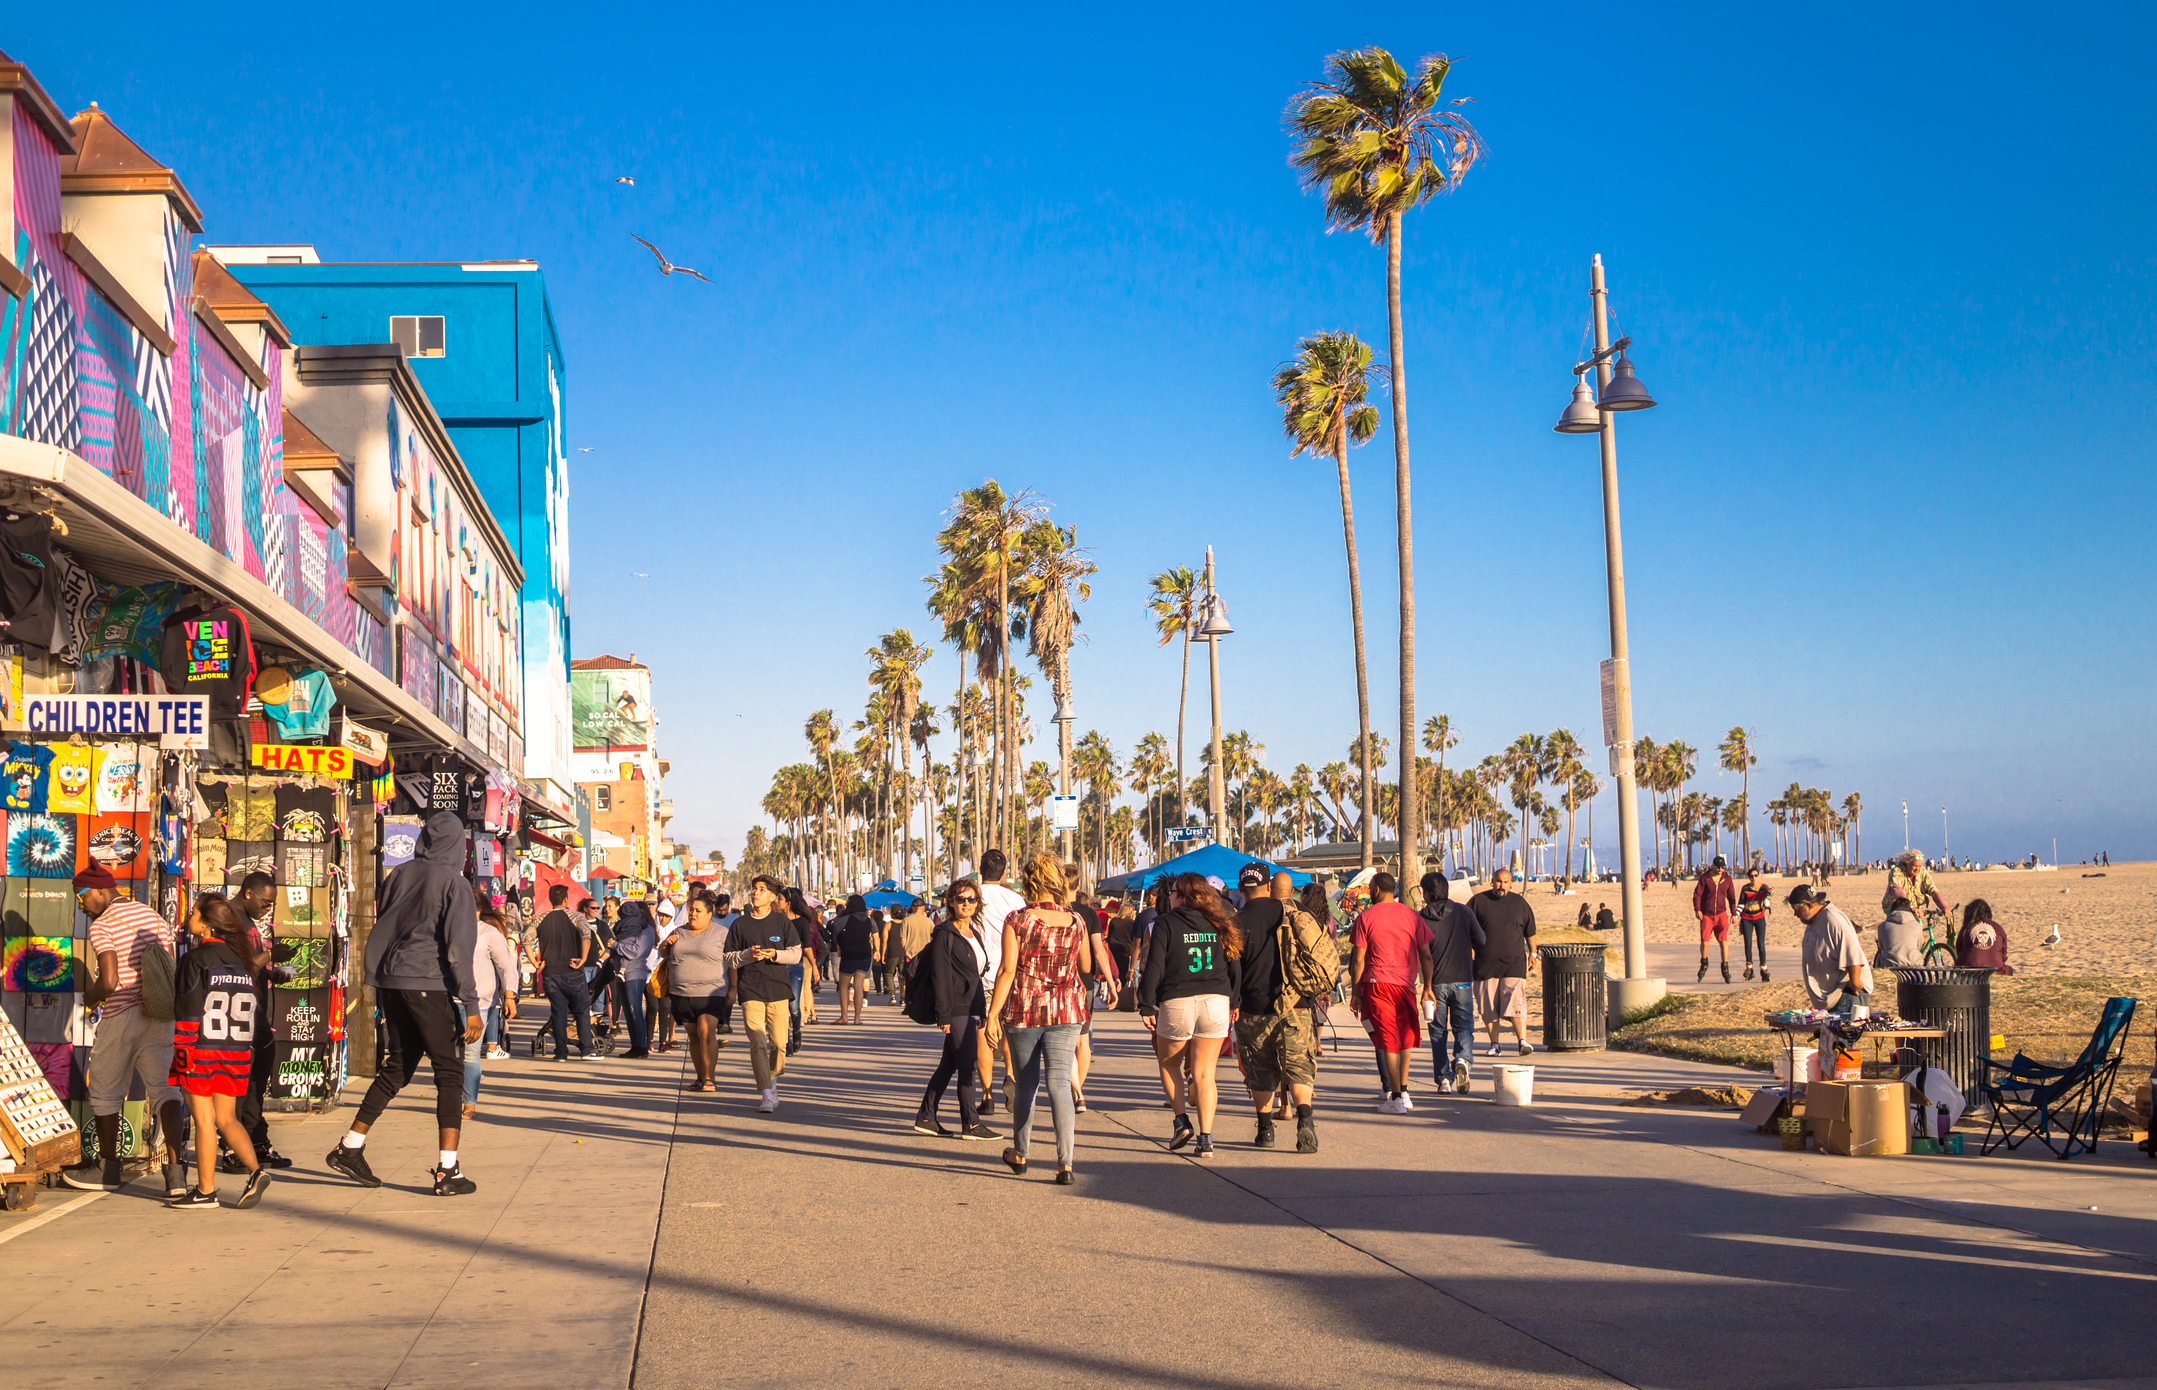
{"points": [[250, 811], [26, 579], [306, 815], [27, 776], [306, 710], [72, 789], [122, 779], [210, 653]]}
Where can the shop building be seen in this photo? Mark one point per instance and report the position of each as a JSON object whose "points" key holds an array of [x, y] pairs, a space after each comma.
{"points": [[618, 767]]}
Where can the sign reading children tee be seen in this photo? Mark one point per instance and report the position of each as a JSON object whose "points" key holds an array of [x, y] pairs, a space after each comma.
{"points": [[177, 721], [209, 652]]}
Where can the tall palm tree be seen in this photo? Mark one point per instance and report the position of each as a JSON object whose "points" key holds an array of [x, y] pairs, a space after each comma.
{"points": [[1561, 761], [983, 538], [1323, 394], [822, 732], [1174, 607], [1051, 584], [1374, 144], [1737, 756], [1438, 739], [1853, 807]]}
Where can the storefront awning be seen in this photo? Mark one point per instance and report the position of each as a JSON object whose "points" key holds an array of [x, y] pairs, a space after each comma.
{"points": [[122, 538]]}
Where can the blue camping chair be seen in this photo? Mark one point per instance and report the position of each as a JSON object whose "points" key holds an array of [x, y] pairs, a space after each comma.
{"points": [[2059, 1107]]}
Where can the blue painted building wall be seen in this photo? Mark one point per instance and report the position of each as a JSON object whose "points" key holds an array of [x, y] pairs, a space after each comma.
{"points": [[499, 387]]}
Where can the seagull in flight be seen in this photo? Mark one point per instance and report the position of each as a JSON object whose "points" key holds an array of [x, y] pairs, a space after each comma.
{"points": [[634, 575], [630, 179], [583, 451], [667, 267]]}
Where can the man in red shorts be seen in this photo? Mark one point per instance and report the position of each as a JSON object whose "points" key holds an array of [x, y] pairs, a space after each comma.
{"points": [[1714, 898], [1392, 974]]}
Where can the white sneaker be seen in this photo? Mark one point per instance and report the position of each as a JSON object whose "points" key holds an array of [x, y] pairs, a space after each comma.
{"points": [[497, 1054], [770, 1101], [1408, 1102], [1392, 1106], [1526, 1047]]}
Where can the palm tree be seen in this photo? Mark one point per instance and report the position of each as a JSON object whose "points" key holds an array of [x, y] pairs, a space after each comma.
{"points": [[1375, 144], [1737, 756], [1852, 807], [1323, 397], [1053, 582], [1174, 607], [982, 540], [1438, 739]]}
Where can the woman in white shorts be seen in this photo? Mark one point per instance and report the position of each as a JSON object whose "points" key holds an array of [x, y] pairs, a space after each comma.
{"points": [[1191, 974]]}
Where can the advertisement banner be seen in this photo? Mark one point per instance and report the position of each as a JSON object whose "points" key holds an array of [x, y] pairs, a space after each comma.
{"points": [[178, 721]]}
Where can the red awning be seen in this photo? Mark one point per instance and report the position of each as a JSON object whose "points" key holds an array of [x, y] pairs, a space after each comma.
{"points": [[604, 872]]}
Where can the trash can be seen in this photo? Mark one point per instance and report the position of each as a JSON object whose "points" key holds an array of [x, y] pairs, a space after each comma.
{"points": [[1576, 999], [1959, 1000]]}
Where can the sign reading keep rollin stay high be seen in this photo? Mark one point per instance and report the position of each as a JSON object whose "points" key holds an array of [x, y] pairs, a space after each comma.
{"points": [[176, 721]]}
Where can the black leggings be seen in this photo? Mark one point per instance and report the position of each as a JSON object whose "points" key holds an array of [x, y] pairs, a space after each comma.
{"points": [[420, 1023], [961, 1051]]}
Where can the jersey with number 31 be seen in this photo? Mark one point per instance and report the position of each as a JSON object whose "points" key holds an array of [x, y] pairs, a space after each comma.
{"points": [[216, 1018]]}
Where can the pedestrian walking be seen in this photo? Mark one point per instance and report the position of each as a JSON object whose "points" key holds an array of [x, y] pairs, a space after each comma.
{"points": [[1392, 975], [627, 971], [563, 950], [914, 935], [494, 976], [1284, 955], [764, 948], [997, 903], [1501, 961], [955, 959], [419, 960], [696, 964], [1753, 920], [1187, 1001], [257, 905], [1455, 934], [853, 937], [129, 1044], [806, 970], [1714, 898], [1041, 1005], [217, 1010]]}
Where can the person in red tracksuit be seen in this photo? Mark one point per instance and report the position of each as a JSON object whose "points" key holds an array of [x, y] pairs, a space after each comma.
{"points": [[1715, 897], [217, 1010]]}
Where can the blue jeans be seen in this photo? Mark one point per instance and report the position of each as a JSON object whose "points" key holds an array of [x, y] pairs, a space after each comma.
{"points": [[568, 998], [473, 1051], [1031, 1049], [795, 975], [629, 994], [494, 1036], [1456, 1009]]}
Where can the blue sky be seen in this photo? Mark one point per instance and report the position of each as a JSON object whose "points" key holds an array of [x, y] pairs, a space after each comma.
{"points": [[1889, 272]]}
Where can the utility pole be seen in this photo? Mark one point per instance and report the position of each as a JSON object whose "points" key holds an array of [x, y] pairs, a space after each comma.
{"points": [[1906, 826], [1622, 769], [1216, 794]]}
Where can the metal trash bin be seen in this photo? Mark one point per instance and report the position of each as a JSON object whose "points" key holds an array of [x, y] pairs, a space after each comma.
{"points": [[1958, 1000], [1576, 1002]]}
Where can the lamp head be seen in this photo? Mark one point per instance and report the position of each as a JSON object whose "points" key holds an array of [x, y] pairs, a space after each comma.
{"points": [[1625, 391], [1580, 416], [1216, 624]]}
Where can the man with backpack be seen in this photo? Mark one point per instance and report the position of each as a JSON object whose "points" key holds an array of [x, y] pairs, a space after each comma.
{"points": [[133, 984], [1286, 959]]}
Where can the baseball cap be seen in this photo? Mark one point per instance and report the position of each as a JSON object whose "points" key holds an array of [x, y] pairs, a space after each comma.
{"points": [[1254, 875], [1805, 893], [1720, 862], [96, 876], [1215, 880]]}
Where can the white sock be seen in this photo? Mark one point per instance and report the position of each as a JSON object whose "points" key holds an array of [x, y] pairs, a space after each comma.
{"points": [[449, 1160], [355, 1140]]}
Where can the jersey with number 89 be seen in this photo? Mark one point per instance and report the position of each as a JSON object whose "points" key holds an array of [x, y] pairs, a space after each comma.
{"points": [[215, 1021]]}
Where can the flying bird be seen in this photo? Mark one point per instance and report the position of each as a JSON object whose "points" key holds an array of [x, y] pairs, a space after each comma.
{"points": [[667, 267], [630, 179], [2053, 940], [634, 575], [583, 451]]}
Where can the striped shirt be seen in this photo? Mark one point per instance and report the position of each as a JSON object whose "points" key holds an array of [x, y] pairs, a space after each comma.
{"points": [[126, 928]]}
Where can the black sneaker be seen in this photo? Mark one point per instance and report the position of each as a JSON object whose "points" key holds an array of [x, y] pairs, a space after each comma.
{"points": [[273, 1159], [194, 1199], [175, 1181], [109, 1176], [980, 1133], [1306, 1135], [1703, 971], [1726, 973], [452, 1182], [636, 1054], [258, 1182], [1183, 1133], [927, 1124], [1205, 1147], [353, 1164], [1264, 1138]]}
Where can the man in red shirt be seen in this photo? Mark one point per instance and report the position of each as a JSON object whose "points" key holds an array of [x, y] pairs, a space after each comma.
{"points": [[1714, 896], [1392, 974]]}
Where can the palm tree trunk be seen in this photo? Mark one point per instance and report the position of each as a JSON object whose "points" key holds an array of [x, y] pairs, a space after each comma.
{"points": [[1411, 857], [1355, 613], [1183, 810]]}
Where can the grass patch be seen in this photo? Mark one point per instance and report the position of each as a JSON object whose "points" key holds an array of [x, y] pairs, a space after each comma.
{"points": [[1669, 1003]]}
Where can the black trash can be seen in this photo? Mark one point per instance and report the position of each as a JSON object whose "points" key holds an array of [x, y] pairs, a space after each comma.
{"points": [[1959, 1000], [1576, 997]]}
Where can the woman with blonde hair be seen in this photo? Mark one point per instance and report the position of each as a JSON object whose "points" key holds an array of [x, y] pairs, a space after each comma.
{"points": [[1186, 997], [1041, 1004]]}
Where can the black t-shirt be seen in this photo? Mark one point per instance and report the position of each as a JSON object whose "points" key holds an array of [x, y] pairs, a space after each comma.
{"points": [[765, 981], [560, 943], [856, 936], [210, 653], [1508, 923], [1259, 921], [27, 578]]}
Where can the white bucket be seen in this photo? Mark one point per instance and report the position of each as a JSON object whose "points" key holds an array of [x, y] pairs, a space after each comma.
{"points": [[1515, 1085], [1806, 1062]]}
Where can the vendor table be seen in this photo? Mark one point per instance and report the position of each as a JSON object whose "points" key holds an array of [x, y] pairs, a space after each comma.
{"points": [[1792, 1032]]}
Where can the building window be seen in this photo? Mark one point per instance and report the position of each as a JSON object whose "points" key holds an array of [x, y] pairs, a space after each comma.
{"points": [[419, 336], [286, 260], [604, 801]]}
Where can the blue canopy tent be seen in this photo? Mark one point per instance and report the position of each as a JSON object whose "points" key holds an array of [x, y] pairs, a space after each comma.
{"points": [[886, 896], [1207, 861]]}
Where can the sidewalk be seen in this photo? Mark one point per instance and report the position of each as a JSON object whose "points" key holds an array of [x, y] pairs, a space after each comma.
{"points": [[329, 1285]]}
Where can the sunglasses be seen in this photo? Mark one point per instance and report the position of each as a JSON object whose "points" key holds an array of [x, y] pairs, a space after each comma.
{"points": [[967, 900]]}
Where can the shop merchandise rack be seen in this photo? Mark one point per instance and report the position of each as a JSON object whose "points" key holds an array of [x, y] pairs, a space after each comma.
{"points": [[35, 1127]]}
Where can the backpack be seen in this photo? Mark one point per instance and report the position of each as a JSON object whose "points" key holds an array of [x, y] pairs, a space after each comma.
{"points": [[921, 991], [1307, 971], [154, 975]]}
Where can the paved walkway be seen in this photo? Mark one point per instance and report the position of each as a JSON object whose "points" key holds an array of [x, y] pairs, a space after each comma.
{"points": [[625, 1233]]}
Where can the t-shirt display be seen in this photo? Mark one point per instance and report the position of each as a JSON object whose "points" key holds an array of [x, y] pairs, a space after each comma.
{"points": [[72, 785], [305, 710], [41, 846], [126, 779], [27, 597], [26, 776], [305, 814], [209, 652]]}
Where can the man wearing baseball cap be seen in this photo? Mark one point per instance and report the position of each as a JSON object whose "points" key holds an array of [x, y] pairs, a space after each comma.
{"points": [[129, 1043], [1831, 956]]}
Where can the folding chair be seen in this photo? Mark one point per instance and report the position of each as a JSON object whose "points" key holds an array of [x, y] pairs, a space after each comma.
{"points": [[2059, 1107]]}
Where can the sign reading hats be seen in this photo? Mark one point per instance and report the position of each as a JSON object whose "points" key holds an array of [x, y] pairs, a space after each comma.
{"points": [[318, 760]]}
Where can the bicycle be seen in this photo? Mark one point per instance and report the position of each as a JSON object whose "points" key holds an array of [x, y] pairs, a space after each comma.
{"points": [[1939, 948]]}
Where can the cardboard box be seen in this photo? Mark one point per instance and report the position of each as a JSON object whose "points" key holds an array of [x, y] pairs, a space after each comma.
{"points": [[1862, 1119], [1769, 1104]]}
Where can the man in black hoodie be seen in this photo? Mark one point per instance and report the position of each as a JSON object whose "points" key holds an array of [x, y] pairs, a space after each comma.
{"points": [[419, 960], [1455, 936]]}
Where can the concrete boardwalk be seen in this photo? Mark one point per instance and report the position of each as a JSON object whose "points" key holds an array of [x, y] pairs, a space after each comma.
{"points": [[625, 1232]]}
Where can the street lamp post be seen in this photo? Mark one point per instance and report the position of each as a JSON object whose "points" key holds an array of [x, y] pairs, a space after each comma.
{"points": [[1063, 721], [1617, 389], [1906, 826], [1213, 629]]}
